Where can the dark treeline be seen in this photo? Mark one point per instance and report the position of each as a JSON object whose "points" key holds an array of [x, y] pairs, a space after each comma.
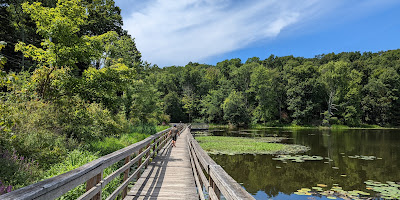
{"points": [[349, 88]]}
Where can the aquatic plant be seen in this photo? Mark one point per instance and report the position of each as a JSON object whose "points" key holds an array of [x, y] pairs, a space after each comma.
{"points": [[364, 157], [240, 145], [333, 193], [388, 190], [297, 158]]}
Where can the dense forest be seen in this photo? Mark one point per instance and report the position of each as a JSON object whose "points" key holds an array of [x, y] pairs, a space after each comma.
{"points": [[349, 88], [71, 77]]}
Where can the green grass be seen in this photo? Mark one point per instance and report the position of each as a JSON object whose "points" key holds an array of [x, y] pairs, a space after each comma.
{"points": [[111, 144], [239, 145], [161, 128]]}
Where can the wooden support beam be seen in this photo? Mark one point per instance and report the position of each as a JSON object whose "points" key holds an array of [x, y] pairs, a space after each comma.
{"points": [[93, 182]]}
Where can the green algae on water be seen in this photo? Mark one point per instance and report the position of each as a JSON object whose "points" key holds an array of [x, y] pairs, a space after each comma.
{"points": [[241, 145]]}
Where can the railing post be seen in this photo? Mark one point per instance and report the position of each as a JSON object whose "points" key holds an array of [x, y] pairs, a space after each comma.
{"points": [[93, 182], [216, 190], [154, 147], [147, 154], [139, 163], [158, 145], [126, 175], [210, 181]]}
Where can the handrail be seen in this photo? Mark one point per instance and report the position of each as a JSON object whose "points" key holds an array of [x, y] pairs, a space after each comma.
{"points": [[92, 173], [218, 181]]}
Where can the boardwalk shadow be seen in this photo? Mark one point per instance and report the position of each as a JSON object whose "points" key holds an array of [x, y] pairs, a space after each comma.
{"points": [[155, 175]]}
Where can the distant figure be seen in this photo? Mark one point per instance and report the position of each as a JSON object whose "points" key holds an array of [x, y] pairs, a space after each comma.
{"points": [[173, 132]]}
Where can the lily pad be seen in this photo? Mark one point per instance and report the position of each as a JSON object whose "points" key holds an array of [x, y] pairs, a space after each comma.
{"points": [[297, 158], [391, 190], [336, 192], [363, 157]]}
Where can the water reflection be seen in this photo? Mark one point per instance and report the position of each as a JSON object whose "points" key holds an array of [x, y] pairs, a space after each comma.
{"points": [[261, 177]]}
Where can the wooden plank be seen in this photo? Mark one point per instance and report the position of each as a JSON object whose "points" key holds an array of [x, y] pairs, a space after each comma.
{"points": [[200, 172], [169, 175], [126, 182], [196, 177]]}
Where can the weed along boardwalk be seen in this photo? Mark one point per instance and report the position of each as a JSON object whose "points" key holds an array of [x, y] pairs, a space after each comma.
{"points": [[169, 176]]}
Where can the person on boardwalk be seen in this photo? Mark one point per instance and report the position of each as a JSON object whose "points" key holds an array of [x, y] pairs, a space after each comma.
{"points": [[174, 133]]}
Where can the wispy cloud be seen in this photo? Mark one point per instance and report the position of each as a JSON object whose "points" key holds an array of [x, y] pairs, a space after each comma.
{"points": [[174, 32]]}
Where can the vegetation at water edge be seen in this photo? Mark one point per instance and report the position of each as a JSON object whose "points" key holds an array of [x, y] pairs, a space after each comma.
{"points": [[240, 145]]}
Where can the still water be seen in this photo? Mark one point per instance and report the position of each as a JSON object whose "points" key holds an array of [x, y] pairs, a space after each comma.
{"points": [[266, 178]]}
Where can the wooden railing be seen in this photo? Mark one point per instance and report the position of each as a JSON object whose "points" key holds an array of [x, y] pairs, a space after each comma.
{"points": [[92, 173], [199, 126], [215, 181]]}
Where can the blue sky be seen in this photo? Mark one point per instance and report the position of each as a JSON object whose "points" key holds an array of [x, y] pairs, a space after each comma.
{"points": [[174, 32]]}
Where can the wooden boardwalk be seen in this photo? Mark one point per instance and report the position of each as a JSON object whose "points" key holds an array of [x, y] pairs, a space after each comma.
{"points": [[169, 176]]}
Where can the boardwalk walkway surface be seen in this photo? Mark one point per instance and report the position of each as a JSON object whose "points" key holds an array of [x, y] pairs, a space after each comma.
{"points": [[169, 176]]}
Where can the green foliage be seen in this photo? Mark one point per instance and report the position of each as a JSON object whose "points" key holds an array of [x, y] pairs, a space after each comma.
{"points": [[302, 82], [111, 144], [147, 129], [17, 170], [239, 145], [235, 109], [103, 16], [211, 106], [264, 83], [74, 160], [89, 121], [3, 59], [173, 106]]}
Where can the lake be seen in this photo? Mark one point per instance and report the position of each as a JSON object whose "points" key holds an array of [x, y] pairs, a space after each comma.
{"points": [[350, 158]]}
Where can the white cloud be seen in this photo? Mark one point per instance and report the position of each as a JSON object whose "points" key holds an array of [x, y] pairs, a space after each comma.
{"points": [[174, 32]]}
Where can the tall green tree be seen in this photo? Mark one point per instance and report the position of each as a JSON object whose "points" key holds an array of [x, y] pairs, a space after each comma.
{"points": [[263, 84], [336, 77], [303, 91], [102, 16], [235, 109]]}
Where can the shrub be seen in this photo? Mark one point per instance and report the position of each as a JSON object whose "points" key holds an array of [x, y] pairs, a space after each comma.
{"points": [[17, 171], [76, 159], [149, 129], [42, 145], [4, 188]]}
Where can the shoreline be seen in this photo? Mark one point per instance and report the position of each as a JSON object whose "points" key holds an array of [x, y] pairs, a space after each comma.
{"points": [[333, 127]]}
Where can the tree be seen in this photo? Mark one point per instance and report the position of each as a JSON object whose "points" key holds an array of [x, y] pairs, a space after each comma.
{"points": [[302, 92], [336, 78], [227, 66], [173, 107], [235, 111], [102, 16], [380, 96], [263, 85], [211, 106]]}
